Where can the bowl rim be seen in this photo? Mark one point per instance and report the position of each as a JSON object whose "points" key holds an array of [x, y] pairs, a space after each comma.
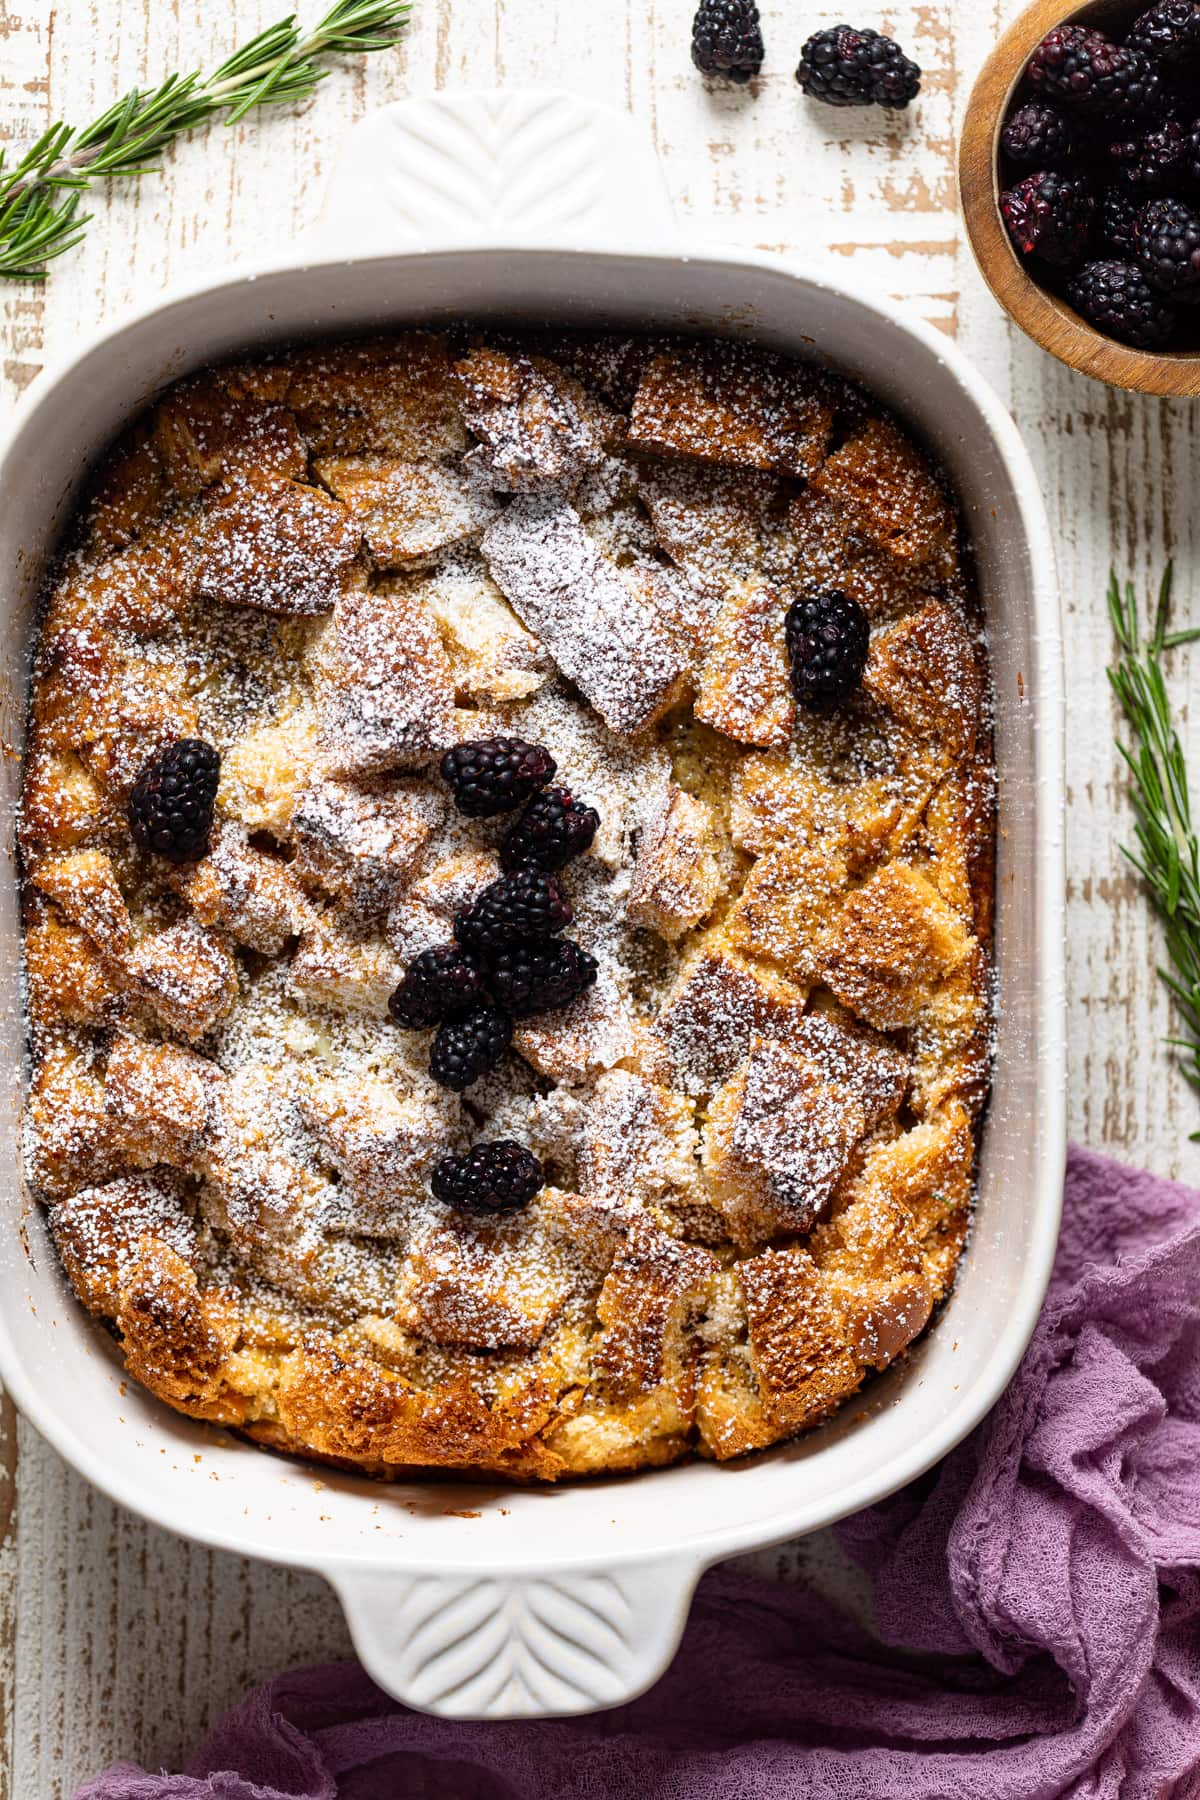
{"points": [[1048, 320]]}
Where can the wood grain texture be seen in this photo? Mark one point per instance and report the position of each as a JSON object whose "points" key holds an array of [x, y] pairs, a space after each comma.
{"points": [[1048, 320], [115, 1638]]}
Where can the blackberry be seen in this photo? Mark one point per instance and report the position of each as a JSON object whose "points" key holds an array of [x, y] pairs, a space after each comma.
{"points": [[442, 983], [526, 904], [1086, 69], [1050, 216], [171, 806], [466, 1048], [845, 67], [1191, 153], [540, 977], [1118, 217], [828, 635], [490, 1178], [727, 39], [552, 831], [1150, 160], [493, 775], [1168, 33], [1117, 298], [1168, 246], [1038, 135]]}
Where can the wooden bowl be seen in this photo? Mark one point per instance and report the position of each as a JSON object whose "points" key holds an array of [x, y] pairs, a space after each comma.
{"points": [[1046, 318]]}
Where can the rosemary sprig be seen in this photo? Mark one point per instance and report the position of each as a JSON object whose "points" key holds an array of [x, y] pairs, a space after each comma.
{"points": [[1167, 855], [39, 195]]}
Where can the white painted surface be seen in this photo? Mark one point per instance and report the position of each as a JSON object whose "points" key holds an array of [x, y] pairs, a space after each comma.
{"points": [[117, 1639]]}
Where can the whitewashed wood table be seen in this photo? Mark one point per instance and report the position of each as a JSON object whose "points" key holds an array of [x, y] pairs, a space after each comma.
{"points": [[116, 1639]]}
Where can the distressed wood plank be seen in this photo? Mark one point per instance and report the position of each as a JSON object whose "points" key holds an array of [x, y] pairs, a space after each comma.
{"points": [[128, 1641]]}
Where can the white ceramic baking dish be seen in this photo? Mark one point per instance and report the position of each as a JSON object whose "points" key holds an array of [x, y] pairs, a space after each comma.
{"points": [[481, 1602]]}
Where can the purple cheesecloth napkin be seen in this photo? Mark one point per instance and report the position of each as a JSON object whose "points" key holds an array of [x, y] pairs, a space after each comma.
{"points": [[1037, 1598]]}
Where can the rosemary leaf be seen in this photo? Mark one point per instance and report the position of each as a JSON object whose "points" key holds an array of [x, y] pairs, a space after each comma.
{"points": [[281, 65], [1167, 856]]}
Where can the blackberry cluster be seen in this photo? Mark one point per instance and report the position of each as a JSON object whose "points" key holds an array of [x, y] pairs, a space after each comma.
{"points": [[1087, 70], [507, 960], [171, 806], [1050, 216], [828, 636], [727, 39], [552, 831], [490, 1178], [1102, 150], [1038, 135], [442, 983], [1169, 34], [1116, 298], [493, 775], [845, 67]]}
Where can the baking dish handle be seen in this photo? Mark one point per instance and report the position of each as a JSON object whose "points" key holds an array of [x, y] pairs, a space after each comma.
{"points": [[517, 1647], [489, 168]]}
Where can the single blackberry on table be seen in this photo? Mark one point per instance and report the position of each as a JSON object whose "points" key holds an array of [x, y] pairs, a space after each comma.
{"points": [[442, 983], [1050, 216], [1038, 135], [1168, 245], [526, 904], [1168, 33], [465, 1049], [1117, 298], [1150, 160], [845, 67], [1119, 210], [1085, 69], [552, 831], [171, 806], [540, 977], [828, 636], [727, 39], [489, 1178], [494, 775]]}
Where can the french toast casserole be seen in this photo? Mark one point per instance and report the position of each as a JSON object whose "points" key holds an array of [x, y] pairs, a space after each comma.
{"points": [[507, 843]]}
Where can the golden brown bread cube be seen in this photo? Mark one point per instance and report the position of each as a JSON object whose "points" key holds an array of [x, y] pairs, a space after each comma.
{"points": [[719, 1004], [778, 802], [714, 524], [615, 644], [383, 1143], [84, 886], [493, 1286], [407, 511], [71, 1141], [790, 898], [99, 1232], [161, 1101], [535, 424], [874, 1271], [387, 695], [280, 545], [646, 1356], [206, 428], [594, 1032], [638, 1141], [336, 967], [264, 774], [67, 978], [743, 687], [677, 875], [492, 655], [892, 496], [395, 396], [802, 1361], [187, 975], [176, 1338], [143, 588], [252, 896], [893, 940], [778, 1141], [923, 669], [732, 404], [130, 494], [63, 804], [362, 843], [929, 1172], [951, 1040]]}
